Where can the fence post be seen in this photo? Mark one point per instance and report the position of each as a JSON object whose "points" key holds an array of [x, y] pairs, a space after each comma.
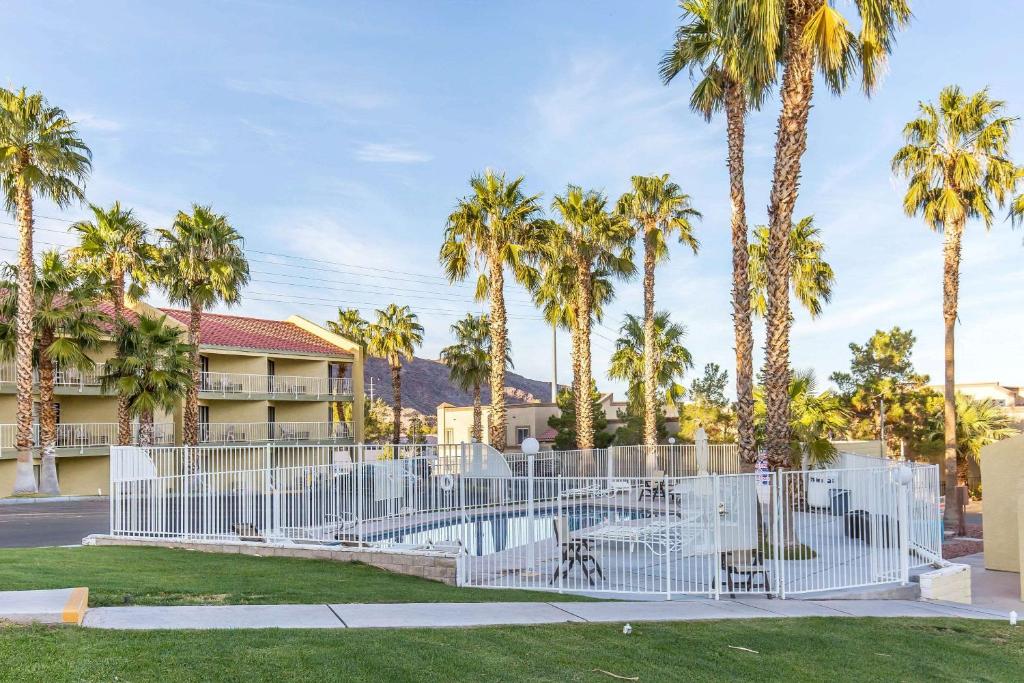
{"points": [[905, 476], [185, 493], [359, 468], [559, 541], [462, 489], [775, 526], [668, 543], [716, 514], [268, 490], [530, 531], [115, 470]]}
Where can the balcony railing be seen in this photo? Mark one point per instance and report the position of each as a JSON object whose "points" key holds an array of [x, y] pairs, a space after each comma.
{"points": [[299, 432], [238, 384], [84, 435], [61, 378]]}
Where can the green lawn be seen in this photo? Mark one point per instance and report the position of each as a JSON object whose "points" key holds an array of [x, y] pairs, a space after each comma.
{"points": [[786, 650], [160, 576]]}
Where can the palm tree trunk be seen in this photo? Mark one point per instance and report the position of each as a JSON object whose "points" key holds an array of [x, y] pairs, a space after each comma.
{"points": [[584, 402], [650, 435], [190, 420], [478, 416], [146, 428], [24, 477], [47, 421], [396, 395], [499, 350], [735, 115], [124, 422], [790, 144], [950, 294]]}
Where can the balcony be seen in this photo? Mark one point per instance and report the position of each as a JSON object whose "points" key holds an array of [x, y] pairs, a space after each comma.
{"points": [[274, 387], [65, 382], [276, 432], [83, 437]]}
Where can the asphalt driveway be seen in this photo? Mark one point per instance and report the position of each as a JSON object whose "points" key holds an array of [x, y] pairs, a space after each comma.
{"points": [[27, 525]]}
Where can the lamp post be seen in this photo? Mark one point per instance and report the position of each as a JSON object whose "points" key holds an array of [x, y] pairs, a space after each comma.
{"points": [[530, 447]]}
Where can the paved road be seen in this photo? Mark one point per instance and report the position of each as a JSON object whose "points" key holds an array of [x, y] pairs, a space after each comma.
{"points": [[42, 524]]}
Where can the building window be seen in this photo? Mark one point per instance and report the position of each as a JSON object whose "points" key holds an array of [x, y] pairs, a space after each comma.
{"points": [[271, 371], [271, 420], [522, 434], [449, 435], [204, 373]]}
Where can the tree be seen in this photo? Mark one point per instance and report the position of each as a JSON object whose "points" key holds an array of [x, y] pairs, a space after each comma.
{"points": [[708, 407], [594, 243], [632, 429], [710, 388], [815, 420], [114, 247], [656, 208], [808, 34], [496, 226], [957, 164], [202, 264], [811, 277], [395, 335], [66, 325], [564, 422], [979, 423], [153, 368], [672, 361], [350, 325], [882, 374], [41, 156], [709, 46], [469, 362]]}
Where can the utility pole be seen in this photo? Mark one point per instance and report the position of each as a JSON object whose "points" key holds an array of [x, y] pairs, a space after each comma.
{"points": [[881, 419], [554, 364]]}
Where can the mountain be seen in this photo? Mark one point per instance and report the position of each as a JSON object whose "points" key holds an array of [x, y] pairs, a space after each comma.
{"points": [[425, 385]]}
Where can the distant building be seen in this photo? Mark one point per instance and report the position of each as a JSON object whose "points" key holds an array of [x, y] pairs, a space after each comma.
{"points": [[1010, 399]]}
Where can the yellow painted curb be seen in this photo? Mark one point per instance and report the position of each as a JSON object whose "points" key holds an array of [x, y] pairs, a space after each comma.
{"points": [[74, 608]]}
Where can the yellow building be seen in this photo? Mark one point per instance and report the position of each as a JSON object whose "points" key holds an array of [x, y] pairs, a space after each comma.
{"points": [[287, 381]]}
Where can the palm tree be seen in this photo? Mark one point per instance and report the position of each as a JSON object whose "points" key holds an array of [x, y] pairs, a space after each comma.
{"points": [[656, 208], [595, 244], [709, 46], [469, 362], [958, 170], [114, 247], [979, 423], [67, 324], [812, 276], [41, 156], [153, 368], [628, 362], [496, 226], [350, 325], [808, 34], [393, 336], [202, 264], [815, 420]]}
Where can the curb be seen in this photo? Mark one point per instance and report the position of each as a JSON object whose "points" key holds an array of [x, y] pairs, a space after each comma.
{"points": [[51, 499], [76, 606]]}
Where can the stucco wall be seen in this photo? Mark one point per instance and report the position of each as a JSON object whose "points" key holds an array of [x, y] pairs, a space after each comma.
{"points": [[237, 411], [237, 363], [85, 476], [1002, 477]]}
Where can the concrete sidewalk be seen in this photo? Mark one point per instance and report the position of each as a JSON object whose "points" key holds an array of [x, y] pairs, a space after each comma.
{"points": [[59, 606], [448, 615]]}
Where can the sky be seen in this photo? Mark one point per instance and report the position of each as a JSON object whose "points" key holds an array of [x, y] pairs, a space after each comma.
{"points": [[338, 136]]}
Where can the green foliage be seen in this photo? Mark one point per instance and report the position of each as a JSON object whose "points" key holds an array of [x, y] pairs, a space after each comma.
{"points": [[710, 388], [416, 431], [979, 422], [351, 326], [469, 358], [395, 334], [377, 421], [114, 247], [811, 277], [631, 432], [673, 359], [564, 422], [815, 419], [658, 208]]}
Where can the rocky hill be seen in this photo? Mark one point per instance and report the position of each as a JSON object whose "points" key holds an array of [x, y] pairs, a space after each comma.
{"points": [[425, 385]]}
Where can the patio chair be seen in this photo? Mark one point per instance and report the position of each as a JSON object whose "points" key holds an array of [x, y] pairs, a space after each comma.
{"points": [[741, 567], [655, 488], [575, 551]]}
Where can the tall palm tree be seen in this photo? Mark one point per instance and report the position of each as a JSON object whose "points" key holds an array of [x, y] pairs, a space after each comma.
{"points": [[153, 368], [202, 264], [114, 247], [496, 226], [628, 362], [812, 276], [956, 160], [595, 243], [41, 155], [808, 34], [394, 335], [351, 325], [66, 325], [469, 362], [656, 208], [709, 47]]}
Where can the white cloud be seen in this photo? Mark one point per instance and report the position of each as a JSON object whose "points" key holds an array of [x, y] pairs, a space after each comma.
{"points": [[310, 92], [390, 154], [89, 121]]}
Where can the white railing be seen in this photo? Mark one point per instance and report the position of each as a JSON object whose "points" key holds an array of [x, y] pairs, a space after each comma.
{"points": [[242, 432], [240, 384], [82, 435], [63, 378], [777, 533]]}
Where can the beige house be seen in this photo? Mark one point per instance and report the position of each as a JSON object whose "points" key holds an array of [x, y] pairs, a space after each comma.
{"points": [[1011, 399], [261, 381]]}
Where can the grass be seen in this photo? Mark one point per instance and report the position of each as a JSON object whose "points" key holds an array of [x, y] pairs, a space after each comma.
{"points": [[785, 650], [798, 551], [162, 576]]}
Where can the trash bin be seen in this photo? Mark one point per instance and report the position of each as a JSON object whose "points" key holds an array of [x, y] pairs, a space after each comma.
{"points": [[858, 525], [840, 501]]}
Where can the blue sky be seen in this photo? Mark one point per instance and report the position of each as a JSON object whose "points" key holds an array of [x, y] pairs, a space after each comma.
{"points": [[338, 136]]}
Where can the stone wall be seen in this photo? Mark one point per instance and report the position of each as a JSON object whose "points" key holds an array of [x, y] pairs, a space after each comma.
{"points": [[435, 566]]}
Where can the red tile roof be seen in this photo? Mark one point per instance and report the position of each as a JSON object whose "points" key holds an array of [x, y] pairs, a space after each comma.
{"points": [[240, 332]]}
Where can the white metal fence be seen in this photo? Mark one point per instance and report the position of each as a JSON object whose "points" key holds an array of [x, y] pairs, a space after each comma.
{"points": [[515, 524]]}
